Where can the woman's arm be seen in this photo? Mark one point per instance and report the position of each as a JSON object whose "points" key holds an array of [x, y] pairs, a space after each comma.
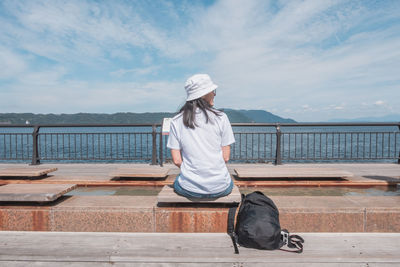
{"points": [[176, 157], [226, 152]]}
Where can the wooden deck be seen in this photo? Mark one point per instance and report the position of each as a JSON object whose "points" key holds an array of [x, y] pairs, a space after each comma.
{"points": [[140, 172], [364, 174], [34, 192], [176, 249], [282, 171], [26, 171]]}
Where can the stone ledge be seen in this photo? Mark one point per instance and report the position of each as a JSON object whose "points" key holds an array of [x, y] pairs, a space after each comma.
{"points": [[107, 202], [140, 214]]}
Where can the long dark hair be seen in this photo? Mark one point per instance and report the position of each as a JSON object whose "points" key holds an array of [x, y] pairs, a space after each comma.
{"points": [[189, 111]]}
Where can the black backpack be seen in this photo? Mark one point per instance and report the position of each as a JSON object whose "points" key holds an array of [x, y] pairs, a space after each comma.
{"points": [[257, 225]]}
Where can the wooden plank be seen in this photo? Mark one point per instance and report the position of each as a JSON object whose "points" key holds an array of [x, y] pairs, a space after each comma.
{"points": [[285, 172], [341, 249], [34, 192], [25, 172], [150, 172], [168, 196]]}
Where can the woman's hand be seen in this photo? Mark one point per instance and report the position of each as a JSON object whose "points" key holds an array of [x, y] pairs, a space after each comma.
{"points": [[176, 157], [226, 152]]}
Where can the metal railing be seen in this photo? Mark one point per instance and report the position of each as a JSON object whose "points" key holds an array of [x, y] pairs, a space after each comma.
{"points": [[89, 142], [313, 142], [255, 142]]}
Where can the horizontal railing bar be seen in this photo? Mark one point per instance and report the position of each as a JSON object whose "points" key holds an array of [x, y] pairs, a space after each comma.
{"points": [[317, 124], [311, 133], [91, 158], [97, 133], [233, 124], [16, 134], [14, 158], [341, 159], [78, 125]]}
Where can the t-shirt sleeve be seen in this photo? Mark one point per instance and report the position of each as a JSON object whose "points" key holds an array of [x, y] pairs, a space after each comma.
{"points": [[227, 132], [173, 139]]}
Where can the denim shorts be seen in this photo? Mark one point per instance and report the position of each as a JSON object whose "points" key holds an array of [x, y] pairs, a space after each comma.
{"points": [[183, 192]]}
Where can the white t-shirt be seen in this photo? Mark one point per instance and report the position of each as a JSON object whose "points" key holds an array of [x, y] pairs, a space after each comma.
{"points": [[203, 168]]}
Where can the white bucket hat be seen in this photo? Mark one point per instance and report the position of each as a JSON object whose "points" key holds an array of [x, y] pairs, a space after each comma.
{"points": [[199, 85]]}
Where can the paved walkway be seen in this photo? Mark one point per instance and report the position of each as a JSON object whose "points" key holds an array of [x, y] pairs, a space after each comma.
{"points": [[177, 249]]}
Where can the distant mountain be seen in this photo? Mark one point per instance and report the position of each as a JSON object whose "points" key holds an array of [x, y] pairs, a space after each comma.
{"points": [[245, 116], [84, 118], [387, 118], [236, 116], [263, 116]]}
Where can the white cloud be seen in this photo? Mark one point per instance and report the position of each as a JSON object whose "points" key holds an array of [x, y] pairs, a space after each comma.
{"points": [[136, 71], [147, 59], [11, 64], [281, 61], [82, 30], [121, 54], [342, 106], [73, 97], [49, 77], [260, 53]]}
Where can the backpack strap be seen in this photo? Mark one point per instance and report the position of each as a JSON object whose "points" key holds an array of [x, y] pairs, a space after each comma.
{"points": [[292, 241], [231, 227], [231, 223], [296, 241]]}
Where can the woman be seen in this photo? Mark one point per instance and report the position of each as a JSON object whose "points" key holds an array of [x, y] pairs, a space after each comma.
{"points": [[200, 139]]}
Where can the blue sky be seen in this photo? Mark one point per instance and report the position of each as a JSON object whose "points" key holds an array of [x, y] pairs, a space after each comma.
{"points": [[307, 60]]}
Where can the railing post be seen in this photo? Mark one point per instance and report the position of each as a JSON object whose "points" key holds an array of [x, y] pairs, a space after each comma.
{"points": [[35, 147], [398, 159], [278, 157], [154, 147], [161, 148]]}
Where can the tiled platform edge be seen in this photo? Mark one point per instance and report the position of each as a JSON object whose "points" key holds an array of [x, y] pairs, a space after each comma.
{"points": [[141, 214]]}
